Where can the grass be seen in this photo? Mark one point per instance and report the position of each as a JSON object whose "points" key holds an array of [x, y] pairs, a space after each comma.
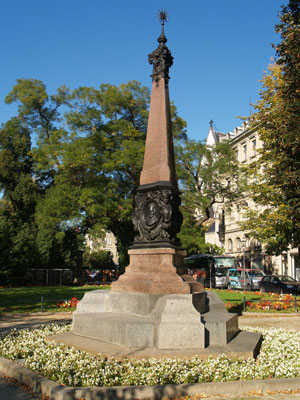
{"points": [[28, 299], [236, 298], [230, 295]]}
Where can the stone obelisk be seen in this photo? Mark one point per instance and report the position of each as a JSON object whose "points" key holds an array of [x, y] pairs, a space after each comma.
{"points": [[152, 310], [156, 256]]}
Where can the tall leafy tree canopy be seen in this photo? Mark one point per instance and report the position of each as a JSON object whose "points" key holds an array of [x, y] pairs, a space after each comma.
{"points": [[20, 194], [276, 176], [79, 176], [208, 176], [87, 160]]}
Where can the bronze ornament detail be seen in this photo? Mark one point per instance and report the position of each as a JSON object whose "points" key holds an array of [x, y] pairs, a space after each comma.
{"points": [[161, 58], [156, 217]]}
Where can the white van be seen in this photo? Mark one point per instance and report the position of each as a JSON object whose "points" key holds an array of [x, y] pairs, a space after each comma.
{"points": [[246, 279], [222, 265]]}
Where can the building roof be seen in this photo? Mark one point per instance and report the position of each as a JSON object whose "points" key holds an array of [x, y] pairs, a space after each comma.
{"points": [[214, 137]]}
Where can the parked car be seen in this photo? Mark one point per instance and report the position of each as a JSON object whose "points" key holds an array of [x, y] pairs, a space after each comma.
{"points": [[248, 279], [280, 284]]}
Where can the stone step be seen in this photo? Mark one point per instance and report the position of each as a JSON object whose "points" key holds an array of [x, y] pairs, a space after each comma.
{"points": [[245, 345], [220, 327]]}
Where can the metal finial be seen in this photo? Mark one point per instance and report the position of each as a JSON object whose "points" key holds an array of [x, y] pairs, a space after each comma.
{"points": [[163, 16], [211, 123]]}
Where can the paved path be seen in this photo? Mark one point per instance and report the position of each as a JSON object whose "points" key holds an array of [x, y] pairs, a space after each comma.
{"points": [[274, 396], [11, 390], [266, 321], [31, 320]]}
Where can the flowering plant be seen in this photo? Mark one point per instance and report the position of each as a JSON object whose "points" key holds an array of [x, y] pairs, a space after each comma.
{"points": [[265, 302], [280, 303], [278, 358], [69, 303]]}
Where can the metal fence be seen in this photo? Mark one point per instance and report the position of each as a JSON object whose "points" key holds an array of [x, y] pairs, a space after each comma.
{"points": [[65, 277], [49, 277]]}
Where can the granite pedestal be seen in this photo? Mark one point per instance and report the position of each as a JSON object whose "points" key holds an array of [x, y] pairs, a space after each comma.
{"points": [[150, 324], [140, 319]]}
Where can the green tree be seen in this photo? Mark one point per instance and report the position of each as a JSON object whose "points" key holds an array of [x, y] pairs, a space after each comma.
{"points": [[192, 237], [207, 175], [17, 206], [87, 161], [39, 112], [276, 175], [98, 259], [114, 121]]}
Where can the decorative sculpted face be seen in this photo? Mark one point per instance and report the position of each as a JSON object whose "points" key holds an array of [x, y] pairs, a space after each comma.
{"points": [[151, 213], [165, 196]]}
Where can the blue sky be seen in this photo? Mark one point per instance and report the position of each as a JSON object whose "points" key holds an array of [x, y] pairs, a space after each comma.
{"points": [[221, 49]]}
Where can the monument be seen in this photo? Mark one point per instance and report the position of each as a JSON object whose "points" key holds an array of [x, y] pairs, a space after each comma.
{"points": [[155, 308], [156, 256]]}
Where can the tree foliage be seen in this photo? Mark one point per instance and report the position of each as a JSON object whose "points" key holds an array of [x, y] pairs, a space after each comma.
{"points": [[86, 161], [276, 175], [208, 175], [192, 237], [98, 259], [17, 206], [78, 178]]}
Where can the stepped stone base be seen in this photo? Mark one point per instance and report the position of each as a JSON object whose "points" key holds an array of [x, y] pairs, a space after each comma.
{"points": [[136, 319], [154, 323]]}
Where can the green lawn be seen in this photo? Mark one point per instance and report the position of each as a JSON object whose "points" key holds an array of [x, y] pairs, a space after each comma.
{"points": [[28, 299]]}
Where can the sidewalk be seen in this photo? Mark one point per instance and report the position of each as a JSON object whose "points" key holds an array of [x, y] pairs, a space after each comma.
{"points": [[12, 391], [267, 321], [32, 320]]}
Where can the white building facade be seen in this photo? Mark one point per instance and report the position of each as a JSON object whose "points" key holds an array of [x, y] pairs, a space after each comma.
{"points": [[225, 230]]}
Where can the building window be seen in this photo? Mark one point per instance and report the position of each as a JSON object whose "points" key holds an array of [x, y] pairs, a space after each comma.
{"points": [[253, 147], [245, 152], [108, 241], [238, 244], [296, 267], [229, 245], [236, 151], [238, 213], [284, 264]]}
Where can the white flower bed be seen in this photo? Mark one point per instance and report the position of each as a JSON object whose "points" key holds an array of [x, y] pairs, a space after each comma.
{"points": [[279, 358]]}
